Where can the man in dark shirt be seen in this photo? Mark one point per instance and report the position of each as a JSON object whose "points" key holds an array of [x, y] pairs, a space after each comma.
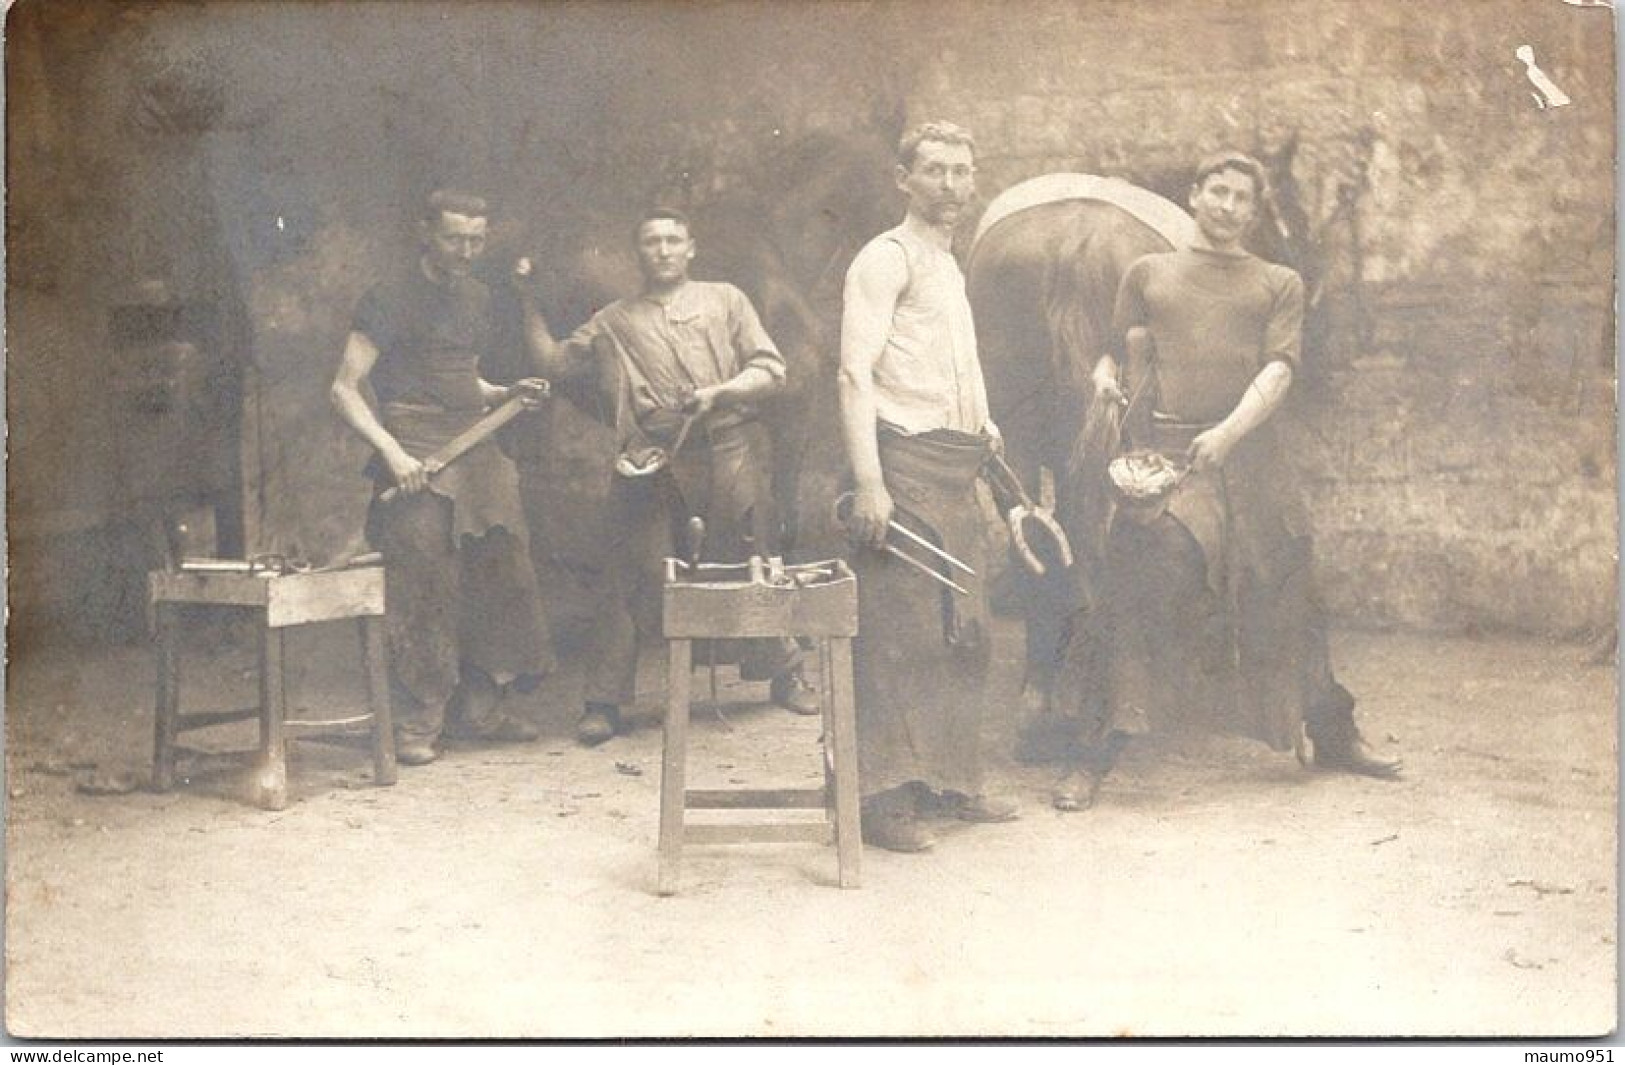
{"points": [[1212, 601], [465, 615]]}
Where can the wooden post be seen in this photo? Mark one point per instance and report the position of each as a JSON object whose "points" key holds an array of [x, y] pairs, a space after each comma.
{"points": [[167, 708], [375, 664], [674, 765], [848, 837], [270, 780], [826, 704]]}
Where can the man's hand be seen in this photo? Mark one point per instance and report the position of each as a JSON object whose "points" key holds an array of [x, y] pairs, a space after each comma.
{"points": [[531, 391], [523, 279], [701, 401], [411, 476], [871, 511], [1106, 383], [1210, 449]]}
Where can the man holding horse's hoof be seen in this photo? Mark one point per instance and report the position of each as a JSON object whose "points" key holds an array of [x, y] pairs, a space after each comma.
{"points": [[1212, 606]]}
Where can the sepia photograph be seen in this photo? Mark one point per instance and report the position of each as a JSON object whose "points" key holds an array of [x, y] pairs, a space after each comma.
{"points": [[806, 519]]}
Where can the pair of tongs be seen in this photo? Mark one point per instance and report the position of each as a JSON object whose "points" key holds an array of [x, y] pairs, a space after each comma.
{"points": [[843, 513]]}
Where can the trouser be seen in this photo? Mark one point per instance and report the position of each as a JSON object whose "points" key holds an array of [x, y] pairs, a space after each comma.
{"points": [[643, 524], [451, 607]]}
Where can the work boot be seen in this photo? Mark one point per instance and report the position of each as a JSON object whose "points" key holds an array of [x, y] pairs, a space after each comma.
{"points": [[472, 709], [1350, 755], [509, 729], [793, 691], [599, 723], [1337, 742], [890, 821], [415, 751], [1079, 785], [1075, 790], [476, 717], [982, 809]]}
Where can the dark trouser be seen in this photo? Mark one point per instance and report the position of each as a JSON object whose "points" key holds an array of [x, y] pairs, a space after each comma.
{"points": [[475, 605], [643, 524], [1180, 657]]}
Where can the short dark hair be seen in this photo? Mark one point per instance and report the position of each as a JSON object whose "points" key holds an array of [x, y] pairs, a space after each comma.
{"points": [[941, 132], [657, 214], [1230, 159], [453, 201]]}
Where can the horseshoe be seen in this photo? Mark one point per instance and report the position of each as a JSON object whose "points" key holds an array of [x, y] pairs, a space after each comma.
{"points": [[1043, 513]]}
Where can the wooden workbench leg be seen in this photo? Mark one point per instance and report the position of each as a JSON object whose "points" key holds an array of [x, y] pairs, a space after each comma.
{"points": [[167, 707], [674, 765], [848, 833], [375, 666], [269, 786], [826, 704]]}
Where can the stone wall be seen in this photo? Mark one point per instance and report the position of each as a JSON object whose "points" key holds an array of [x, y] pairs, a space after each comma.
{"points": [[262, 158], [1457, 419]]}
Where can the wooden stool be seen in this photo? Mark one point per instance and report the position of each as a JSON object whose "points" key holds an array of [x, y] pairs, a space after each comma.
{"points": [[281, 600], [820, 601]]}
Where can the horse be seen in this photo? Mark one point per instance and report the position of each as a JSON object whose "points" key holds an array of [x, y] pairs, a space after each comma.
{"points": [[1042, 276]]}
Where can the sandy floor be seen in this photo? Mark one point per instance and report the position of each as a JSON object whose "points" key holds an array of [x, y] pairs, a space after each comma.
{"points": [[1217, 888]]}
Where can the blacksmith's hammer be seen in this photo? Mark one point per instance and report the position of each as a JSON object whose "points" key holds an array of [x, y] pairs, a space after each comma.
{"points": [[475, 434]]}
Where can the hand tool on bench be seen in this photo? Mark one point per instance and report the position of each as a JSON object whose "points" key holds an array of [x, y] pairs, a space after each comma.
{"points": [[458, 446], [843, 512]]}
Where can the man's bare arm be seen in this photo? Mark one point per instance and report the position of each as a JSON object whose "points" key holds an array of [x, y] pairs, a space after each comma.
{"points": [[553, 359], [360, 355], [751, 383], [1261, 400], [1107, 381], [873, 285]]}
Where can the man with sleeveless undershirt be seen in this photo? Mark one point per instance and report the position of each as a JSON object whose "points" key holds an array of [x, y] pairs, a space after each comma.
{"points": [[915, 423]]}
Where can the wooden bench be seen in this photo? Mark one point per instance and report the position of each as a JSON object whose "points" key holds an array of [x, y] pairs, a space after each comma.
{"points": [[280, 601]]}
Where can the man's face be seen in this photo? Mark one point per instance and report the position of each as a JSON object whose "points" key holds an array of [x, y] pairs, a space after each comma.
{"points": [[454, 242], [665, 249], [1225, 205], [941, 182]]}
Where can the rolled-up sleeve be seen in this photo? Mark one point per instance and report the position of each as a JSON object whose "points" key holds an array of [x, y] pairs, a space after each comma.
{"points": [[577, 362], [750, 340]]}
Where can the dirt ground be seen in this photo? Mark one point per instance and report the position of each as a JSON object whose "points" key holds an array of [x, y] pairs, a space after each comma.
{"points": [[1217, 889]]}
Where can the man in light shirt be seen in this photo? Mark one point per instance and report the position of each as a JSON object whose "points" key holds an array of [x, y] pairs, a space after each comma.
{"points": [[680, 369], [915, 423]]}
